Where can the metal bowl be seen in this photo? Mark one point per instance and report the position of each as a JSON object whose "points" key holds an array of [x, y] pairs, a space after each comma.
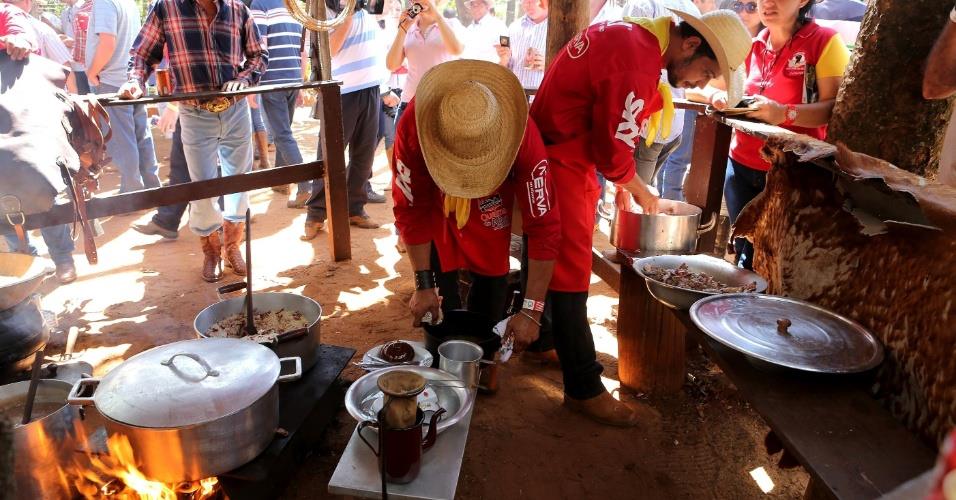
{"points": [[24, 273], [456, 401], [682, 298]]}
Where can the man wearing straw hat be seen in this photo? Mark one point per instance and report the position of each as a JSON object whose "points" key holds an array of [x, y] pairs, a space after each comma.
{"points": [[599, 96], [464, 152]]}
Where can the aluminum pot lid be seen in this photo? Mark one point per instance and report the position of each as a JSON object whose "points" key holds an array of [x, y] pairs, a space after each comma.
{"points": [[788, 332], [187, 383]]}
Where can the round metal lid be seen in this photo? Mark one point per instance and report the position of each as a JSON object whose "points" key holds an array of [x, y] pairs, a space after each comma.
{"points": [[816, 340], [187, 383]]}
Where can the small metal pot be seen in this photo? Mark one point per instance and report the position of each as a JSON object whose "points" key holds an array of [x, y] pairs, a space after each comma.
{"points": [[47, 442], [673, 231], [305, 347], [192, 409]]}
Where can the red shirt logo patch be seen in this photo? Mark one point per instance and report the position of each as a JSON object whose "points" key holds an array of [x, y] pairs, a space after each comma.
{"points": [[538, 198], [404, 181], [493, 213], [628, 129], [578, 45], [796, 65]]}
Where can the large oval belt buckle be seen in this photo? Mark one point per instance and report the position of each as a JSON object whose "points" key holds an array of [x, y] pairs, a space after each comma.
{"points": [[218, 105]]}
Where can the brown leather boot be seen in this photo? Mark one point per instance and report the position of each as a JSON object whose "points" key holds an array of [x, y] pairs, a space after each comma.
{"points": [[262, 146], [233, 233], [212, 262], [604, 409]]}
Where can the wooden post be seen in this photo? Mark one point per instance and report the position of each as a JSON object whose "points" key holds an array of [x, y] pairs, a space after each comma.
{"points": [[704, 185], [650, 338], [565, 19], [880, 110], [328, 110]]}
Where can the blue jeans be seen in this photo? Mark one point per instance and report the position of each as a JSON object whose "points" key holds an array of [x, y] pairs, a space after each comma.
{"points": [[741, 185], [82, 83], [57, 239], [279, 108], [169, 216], [670, 180], [256, 115], [206, 136], [131, 147]]}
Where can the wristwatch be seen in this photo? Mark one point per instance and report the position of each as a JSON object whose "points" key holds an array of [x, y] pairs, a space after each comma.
{"points": [[533, 305], [791, 115]]}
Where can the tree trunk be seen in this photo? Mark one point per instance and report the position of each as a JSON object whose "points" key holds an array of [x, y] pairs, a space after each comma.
{"points": [[565, 19], [880, 110]]}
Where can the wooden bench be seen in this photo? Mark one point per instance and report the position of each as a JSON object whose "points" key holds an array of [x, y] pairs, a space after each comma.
{"points": [[849, 444]]}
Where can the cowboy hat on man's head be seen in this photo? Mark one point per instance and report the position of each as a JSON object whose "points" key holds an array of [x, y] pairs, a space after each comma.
{"points": [[726, 34], [471, 117]]}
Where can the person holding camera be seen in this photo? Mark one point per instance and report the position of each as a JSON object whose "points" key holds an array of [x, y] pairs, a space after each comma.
{"points": [[425, 39]]}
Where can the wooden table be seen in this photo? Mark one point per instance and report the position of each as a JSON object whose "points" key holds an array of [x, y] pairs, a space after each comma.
{"points": [[358, 474]]}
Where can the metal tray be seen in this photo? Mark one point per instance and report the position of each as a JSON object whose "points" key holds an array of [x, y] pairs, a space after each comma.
{"points": [[818, 340], [682, 298], [363, 396]]}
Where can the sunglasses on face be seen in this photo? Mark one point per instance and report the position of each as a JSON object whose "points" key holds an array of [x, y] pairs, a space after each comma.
{"points": [[749, 7]]}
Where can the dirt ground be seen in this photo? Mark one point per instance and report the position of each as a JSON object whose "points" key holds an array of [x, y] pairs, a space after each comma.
{"points": [[701, 443]]}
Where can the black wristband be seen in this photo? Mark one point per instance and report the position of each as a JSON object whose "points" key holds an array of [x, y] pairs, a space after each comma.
{"points": [[425, 280]]}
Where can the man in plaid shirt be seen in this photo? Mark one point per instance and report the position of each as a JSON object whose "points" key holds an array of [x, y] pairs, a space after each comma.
{"points": [[211, 45], [81, 21]]}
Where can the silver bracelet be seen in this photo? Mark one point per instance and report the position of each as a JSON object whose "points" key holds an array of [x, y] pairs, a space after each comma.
{"points": [[529, 317]]}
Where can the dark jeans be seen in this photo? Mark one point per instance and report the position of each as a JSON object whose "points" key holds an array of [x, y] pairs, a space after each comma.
{"points": [[360, 110], [279, 109], [565, 328], [82, 83], [741, 185], [487, 295], [170, 216], [58, 242]]}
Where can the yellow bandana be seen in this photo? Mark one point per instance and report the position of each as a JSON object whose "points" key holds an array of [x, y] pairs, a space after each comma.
{"points": [[461, 207], [661, 120]]}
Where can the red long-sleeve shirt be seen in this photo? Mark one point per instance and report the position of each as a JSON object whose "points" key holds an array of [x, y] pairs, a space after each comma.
{"points": [[482, 245], [15, 22]]}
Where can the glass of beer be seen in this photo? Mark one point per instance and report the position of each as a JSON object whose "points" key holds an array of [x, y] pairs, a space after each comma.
{"points": [[164, 82]]}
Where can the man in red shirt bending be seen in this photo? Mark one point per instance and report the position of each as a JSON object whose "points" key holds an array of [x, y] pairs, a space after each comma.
{"points": [[465, 150], [600, 95]]}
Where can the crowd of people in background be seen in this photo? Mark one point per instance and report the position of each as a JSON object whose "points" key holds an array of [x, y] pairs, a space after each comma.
{"points": [[380, 60]]}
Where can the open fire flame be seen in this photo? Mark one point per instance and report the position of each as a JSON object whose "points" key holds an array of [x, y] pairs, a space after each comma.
{"points": [[115, 475]]}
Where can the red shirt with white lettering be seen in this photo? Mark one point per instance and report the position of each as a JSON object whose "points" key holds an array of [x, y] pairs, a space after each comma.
{"points": [[482, 245], [597, 96]]}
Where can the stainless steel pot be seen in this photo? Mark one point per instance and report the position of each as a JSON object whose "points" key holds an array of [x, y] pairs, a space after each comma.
{"points": [[25, 272], [192, 409], [673, 231], [305, 347], [47, 442]]}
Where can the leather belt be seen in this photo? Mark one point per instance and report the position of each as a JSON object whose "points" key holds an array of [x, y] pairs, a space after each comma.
{"points": [[216, 104]]}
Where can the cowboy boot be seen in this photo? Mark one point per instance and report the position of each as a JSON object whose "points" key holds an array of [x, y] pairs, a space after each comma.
{"points": [[262, 146], [211, 263], [233, 233], [604, 409]]}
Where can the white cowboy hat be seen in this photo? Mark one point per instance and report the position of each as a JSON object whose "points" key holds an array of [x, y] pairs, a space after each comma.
{"points": [[471, 117], [728, 37]]}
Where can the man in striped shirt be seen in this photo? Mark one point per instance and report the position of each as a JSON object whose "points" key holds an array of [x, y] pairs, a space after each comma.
{"points": [[358, 61], [528, 35], [283, 36]]}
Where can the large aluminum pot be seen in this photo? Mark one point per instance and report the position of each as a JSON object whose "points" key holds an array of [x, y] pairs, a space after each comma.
{"points": [[192, 409], [305, 347], [21, 275], [673, 231], [47, 443]]}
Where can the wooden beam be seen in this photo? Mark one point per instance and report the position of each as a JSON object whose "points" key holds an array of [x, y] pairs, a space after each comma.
{"points": [[566, 18], [332, 144], [704, 185], [109, 100], [179, 193]]}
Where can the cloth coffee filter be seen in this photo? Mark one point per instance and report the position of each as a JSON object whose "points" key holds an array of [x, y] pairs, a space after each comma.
{"points": [[726, 34], [471, 118]]}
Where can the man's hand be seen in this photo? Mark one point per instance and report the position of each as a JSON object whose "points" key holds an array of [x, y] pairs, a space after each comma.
{"points": [[17, 46], [253, 102], [623, 200], [234, 85], [130, 90], [504, 54], [719, 100], [167, 120], [391, 100], [523, 329], [67, 41], [647, 201], [93, 78], [425, 301], [429, 12]]}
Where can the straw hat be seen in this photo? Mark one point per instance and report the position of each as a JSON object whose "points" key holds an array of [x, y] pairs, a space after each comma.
{"points": [[471, 117], [726, 34]]}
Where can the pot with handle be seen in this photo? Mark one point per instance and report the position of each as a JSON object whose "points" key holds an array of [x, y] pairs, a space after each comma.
{"points": [[297, 344], [673, 231], [192, 409]]}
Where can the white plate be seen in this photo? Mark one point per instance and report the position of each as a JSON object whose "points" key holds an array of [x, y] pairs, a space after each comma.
{"points": [[422, 356]]}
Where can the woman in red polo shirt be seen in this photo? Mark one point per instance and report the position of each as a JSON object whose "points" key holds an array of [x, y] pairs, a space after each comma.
{"points": [[794, 70]]}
